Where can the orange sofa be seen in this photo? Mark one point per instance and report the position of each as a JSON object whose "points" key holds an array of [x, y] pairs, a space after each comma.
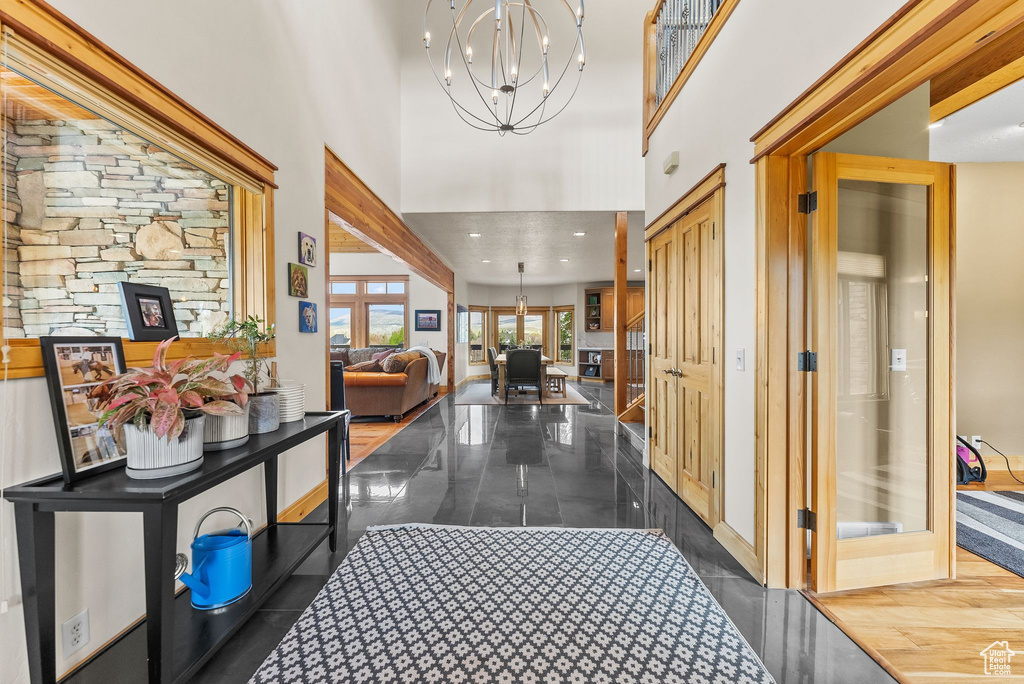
{"points": [[386, 394]]}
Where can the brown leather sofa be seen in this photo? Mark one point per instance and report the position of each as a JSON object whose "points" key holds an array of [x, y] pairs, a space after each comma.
{"points": [[386, 394]]}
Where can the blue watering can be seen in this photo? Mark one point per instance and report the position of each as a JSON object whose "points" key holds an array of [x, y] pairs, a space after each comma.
{"points": [[221, 564]]}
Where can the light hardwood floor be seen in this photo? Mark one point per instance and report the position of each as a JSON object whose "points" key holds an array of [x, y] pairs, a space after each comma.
{"points": [[368, 437], [930, 632]]}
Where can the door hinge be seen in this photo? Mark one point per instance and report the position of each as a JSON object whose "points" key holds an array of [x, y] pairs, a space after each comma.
{"points": [[712, 479], [650, 265], [807, 202], [650, 432], [650, 348], [807, 362], [806, 519], [712, 231]]}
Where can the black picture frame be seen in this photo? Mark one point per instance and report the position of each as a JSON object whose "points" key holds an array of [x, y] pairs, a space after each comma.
{"points": [[63, 359], [148, 312], [427, 327]]}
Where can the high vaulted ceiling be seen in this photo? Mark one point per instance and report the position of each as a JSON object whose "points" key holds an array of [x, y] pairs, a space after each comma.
{"points": [[539, 239]]}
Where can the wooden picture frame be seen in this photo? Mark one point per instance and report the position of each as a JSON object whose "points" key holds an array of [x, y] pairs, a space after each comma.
{"points": [[148, 312], [427, 320], [85, 447]]}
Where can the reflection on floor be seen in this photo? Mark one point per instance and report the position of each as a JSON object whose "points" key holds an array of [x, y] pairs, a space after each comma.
{"points": [[366, 436], [935, 631], [506, 465]]}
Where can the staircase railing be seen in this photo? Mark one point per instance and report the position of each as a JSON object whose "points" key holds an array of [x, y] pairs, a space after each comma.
{"points": [[636, 345]]}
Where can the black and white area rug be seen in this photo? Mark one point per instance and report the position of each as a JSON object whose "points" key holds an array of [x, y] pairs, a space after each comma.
{"points": [[463, 604], [991, 525]]}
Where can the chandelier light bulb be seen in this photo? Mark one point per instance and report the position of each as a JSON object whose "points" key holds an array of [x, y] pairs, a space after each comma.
{"points": [[515, 40]]}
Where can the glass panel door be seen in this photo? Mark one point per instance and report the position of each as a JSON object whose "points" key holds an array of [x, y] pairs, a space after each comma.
{"points": [[879, 400]]}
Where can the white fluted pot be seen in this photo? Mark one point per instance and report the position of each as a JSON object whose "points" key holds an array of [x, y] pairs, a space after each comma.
{"points": [[151, 457], [226, 432]]}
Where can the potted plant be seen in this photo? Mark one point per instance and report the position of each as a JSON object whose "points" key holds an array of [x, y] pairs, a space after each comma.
{"points": [[163, 410], [248, 337]]}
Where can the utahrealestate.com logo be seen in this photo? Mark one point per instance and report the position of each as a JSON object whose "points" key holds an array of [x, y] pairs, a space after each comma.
{"points": [[997, 658]]}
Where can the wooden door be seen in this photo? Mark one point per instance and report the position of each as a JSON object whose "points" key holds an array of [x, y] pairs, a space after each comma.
{"points": [[607, 309], [663, 320], [608, 364], [696, 464], [879, 399], [634, 302]]}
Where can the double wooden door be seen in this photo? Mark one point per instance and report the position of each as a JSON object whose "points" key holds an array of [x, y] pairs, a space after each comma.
{"points": [[685, 413]]}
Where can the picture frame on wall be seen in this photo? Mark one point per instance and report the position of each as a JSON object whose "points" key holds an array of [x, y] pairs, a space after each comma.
{"points": [[148, 312], [75, 368], [307, 317], [427, 320], [298, 280], [307, 250]]}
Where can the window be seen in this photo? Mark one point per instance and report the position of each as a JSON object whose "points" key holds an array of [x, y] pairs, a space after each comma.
{"points": [[477, 335], [511, 330], [564, 333], [369, 311], [102, 188]]}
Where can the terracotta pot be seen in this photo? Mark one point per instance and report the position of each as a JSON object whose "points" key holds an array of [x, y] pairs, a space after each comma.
{"points": [[226, 432], [151, 457]]}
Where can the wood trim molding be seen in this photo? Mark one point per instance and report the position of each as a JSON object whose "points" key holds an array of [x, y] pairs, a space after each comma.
{"points": [[991, 68], [304, 505], [922, 39], [740, 549], [710, 33], [45, 27], [705, 188], [372, 221], [621, 291]]}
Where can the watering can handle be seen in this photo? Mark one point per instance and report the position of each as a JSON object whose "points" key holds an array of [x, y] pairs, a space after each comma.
{"points": [[225, 509]]}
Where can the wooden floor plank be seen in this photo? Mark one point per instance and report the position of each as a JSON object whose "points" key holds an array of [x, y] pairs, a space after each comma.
{"points": [[370, 436]]}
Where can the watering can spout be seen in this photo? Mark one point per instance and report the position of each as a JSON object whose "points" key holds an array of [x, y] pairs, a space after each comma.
{"points": [[191, 581]]}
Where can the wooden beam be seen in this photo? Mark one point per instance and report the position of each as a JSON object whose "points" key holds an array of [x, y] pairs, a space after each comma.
{"points": [[340, 241], [621, 353], [351, 200], [452, 323], [997, 64]]}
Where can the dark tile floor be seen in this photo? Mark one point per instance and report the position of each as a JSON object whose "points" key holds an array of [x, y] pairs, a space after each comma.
{"points": [[551, 465]]}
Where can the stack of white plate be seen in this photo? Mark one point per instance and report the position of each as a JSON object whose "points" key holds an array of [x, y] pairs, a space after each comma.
{"points": [[291, 398]]}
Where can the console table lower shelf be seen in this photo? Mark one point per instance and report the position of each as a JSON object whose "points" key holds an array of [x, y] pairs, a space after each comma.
{"points": [[179, 638]]}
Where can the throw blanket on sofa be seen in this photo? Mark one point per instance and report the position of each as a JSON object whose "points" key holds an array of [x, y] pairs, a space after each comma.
{"points": [[433, 370]]}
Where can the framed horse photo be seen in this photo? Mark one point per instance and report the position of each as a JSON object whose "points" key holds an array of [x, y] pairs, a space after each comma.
{"points": [[75, 369]]}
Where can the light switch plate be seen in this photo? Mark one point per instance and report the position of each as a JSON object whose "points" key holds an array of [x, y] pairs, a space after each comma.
{"points": [[899, 360], [741, 359]]}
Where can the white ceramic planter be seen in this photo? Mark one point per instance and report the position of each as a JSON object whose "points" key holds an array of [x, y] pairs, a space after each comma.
{"points": [[226, 432], [151, 457]]}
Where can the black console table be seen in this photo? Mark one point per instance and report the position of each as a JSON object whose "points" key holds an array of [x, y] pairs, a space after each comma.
{"points": [[180, 638]]}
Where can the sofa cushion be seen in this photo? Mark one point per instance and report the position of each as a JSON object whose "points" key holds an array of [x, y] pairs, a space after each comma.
{"points": [[360, 355], [376, 379], [380, 356], [396, 363], [370, 366], [340, 355]]}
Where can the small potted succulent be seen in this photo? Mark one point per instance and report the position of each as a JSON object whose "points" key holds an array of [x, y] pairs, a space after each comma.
{"points": [[248, 337], [163, 410]]}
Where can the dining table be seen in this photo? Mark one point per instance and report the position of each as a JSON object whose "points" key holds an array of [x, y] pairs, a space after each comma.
{"points": [[545, 361]]}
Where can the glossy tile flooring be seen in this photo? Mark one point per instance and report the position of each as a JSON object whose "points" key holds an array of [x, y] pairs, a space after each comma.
{"points": [[533, 465]]}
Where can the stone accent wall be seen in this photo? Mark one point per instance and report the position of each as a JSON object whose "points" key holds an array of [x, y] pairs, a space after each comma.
{"points": [[93, 205]]}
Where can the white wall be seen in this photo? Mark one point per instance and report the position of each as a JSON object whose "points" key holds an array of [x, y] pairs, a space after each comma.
{"points": [[587, 159], [766, 55], [422, 293], [285, 78]]}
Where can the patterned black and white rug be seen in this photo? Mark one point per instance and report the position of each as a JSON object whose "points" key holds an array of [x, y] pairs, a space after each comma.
{"points": [[463, 604]]}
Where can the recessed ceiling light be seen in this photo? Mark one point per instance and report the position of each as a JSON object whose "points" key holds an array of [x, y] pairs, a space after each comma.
{"points": [[579, 233], [474, 234], [486, 261], [563, 260], [636, 270], [936, 124]]}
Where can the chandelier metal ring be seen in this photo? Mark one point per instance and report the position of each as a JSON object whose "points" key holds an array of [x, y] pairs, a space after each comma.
{"points": [[497, 111]]}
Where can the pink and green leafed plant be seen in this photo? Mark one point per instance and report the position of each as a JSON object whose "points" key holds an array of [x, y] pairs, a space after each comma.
{"points": [[159, 396]]}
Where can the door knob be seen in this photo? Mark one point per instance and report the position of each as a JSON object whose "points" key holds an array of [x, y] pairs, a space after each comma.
{"points": [[676, 372]]}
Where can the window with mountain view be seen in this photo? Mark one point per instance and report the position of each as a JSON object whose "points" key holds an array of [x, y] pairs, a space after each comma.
{"points": [[369, 312]]}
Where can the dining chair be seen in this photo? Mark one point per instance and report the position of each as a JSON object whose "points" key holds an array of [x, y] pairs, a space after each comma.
{"points": [[523, 369], [492, 360]]}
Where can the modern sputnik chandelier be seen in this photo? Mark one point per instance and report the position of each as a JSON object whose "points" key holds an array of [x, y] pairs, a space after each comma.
{"points": [[507, 78]]}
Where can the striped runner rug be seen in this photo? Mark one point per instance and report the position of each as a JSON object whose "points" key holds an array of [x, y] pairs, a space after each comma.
{"points": [[991, 525]]}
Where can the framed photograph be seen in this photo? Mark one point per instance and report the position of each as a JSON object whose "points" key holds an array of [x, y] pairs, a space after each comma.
{"points": [[428, 320], [74, 368], [462, 331], [307, 249], [148, 312], [307, 317], [298, 280]]}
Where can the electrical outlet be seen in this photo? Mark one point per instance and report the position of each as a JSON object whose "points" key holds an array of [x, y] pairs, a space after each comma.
{"points": [[75, 633], [976, 441]]}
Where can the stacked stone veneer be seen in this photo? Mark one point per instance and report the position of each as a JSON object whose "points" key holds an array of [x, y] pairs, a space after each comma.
{"points": [[89, 205]]}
